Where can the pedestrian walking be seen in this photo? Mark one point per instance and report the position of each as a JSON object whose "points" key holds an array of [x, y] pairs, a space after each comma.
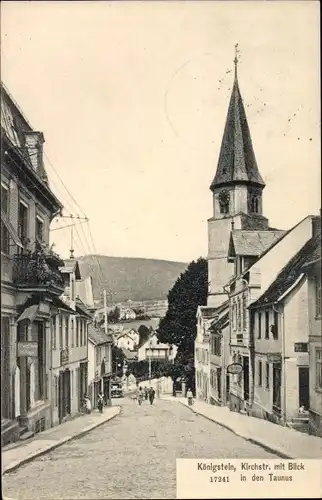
{"points": [[189, 397], [140, 396], [151, 395], [146, 393], [100, 402]]}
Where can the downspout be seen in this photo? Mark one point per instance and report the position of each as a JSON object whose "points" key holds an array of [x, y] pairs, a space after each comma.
{"points": [[250, 386], [281, 314]]}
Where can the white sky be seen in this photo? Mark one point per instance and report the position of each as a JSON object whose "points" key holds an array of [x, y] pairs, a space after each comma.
{"points": [[129, 100]]}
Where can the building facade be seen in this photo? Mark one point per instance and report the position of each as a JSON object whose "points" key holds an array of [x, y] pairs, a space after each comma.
{"points": [[69, 348], [99, 364], [154, 350], [31, 281], [280, 328], [128, 339], [220, 357]]}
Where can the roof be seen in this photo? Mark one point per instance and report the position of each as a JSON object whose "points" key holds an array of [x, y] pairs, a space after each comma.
{"points": [[290, 273], [252, 243], [14, 129], [207, 311], [127, 332], [217, 326], [98, 336], [60, 304], [71, 266], [81, 308], [237, 160], [130, 355]]}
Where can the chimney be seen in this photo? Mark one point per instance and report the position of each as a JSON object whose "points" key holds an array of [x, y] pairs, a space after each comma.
{"points": [[34, 144]]}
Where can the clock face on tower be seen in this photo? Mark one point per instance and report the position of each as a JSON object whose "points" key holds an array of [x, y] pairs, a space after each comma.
{"points": [[224, 199]]}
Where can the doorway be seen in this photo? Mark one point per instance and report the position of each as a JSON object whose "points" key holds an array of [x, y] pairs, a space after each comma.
{"points": [[277, 379], [246, 377], [219, 383], [64, 394], [227, 388], [304, 388]]}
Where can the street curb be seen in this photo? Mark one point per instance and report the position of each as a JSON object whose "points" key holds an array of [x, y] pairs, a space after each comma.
{"points": [[16, 465], [266, 447]]}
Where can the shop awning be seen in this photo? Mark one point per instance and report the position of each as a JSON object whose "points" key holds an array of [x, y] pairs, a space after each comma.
{"points": [[29, 313], [13, 234]]}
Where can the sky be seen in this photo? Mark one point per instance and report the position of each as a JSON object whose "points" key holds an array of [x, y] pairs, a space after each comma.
{"points": [[132, 99]]}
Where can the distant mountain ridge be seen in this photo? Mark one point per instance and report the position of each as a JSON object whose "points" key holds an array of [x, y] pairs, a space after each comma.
{"points": [[127, 278]]}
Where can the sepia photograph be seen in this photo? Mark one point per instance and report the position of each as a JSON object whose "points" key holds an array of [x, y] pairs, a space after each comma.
{"points": [[160, 250]]}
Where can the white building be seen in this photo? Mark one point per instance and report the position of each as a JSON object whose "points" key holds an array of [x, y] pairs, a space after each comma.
{"points": [[69, 349], [99, 363], [128, 339], [154, 350]]}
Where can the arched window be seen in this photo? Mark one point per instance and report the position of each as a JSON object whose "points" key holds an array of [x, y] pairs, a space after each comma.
{"points": [[224, 199], [254, 205]]}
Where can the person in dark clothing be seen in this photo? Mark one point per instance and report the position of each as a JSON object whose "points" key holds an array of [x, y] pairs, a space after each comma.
{"points": [[151, 395]]}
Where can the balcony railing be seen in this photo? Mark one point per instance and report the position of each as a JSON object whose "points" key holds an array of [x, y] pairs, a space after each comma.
{"points": [[64, 356], [38, 268]]}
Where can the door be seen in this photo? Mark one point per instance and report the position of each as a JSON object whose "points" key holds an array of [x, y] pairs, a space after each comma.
{"points": [[304, 394], [60, 396], [106, 389], [277, 379], [219, 382], [227, 388], [246, 377]]}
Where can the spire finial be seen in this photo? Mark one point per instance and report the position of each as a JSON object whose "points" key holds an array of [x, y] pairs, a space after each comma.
{"points": [[236, 58]]}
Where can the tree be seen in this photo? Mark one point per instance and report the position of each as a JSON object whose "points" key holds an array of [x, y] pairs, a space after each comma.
{"points": [[178, 327], [114, 315], [117, 359], [144, 333]]}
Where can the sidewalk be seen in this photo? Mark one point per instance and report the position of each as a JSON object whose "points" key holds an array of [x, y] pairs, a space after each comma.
{"points": [[285, 442], [14, 457]]}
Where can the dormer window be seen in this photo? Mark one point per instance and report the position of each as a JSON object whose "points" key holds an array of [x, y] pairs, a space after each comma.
{"points": [[224, 199]]}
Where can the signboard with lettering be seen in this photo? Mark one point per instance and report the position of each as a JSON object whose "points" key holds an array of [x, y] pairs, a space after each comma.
{"points": [[274, 357], [234, 368], [301, 347], [29, 349]]}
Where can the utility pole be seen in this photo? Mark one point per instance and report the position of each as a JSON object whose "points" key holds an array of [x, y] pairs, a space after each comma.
{"points": [[105, 312]]}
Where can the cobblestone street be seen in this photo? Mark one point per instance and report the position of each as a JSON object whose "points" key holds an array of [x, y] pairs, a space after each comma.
{"points": [[133, 456]]}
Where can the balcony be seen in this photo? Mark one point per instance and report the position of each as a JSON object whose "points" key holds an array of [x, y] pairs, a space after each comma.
{"points": [[64, 356], [38, 270]]}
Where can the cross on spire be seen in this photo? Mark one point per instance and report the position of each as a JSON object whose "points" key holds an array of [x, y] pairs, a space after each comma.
{"points": [[236, 58]]}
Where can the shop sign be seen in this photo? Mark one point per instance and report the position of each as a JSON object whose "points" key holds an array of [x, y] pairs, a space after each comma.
{"points": [[301, 347], [234, 368], [274, 357], [27, 349]]}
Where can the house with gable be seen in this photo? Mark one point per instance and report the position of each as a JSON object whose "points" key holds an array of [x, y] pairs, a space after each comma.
{"points": [[244, 248], [281, 324], [128, 339]]}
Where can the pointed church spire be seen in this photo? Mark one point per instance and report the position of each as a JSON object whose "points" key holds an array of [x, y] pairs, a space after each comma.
{"points": [[237, 162]]}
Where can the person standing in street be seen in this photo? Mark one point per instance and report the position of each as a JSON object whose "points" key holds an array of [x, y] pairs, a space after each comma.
{"points": [[151, 395], [189, 397], [100, 402], [140, 396], [146, 393]]}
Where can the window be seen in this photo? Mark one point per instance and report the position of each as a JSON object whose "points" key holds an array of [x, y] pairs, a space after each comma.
{"points": [[72, 286], [275, 325], [85, 333], [77, 332], [56, 396], [98, 355], [260, 374], [244, 312], [39, 229], [318, 368], [238, 314], [318, 297], [66, 331], [233, 315], [267, 376], [259, 325], [23, 222], [266, 324], [81, 332], [72, 331], [254, 205], [60, 331], [4, 230], [53, 331]]}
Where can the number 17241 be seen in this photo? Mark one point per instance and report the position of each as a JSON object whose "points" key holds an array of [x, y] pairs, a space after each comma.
{"points": [[219, 479]]}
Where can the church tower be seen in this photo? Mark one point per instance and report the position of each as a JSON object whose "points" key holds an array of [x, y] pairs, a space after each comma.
{"points": [[237, 194]]}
